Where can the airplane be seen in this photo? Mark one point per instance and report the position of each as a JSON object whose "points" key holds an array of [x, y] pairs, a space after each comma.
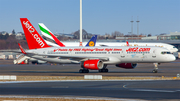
{"points": [[49, 39], [94, 58]]}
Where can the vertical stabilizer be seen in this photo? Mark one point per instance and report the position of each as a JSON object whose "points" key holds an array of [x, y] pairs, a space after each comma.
{"points": [[127, 43], [33, 38], [92, 41], [49, 35]]}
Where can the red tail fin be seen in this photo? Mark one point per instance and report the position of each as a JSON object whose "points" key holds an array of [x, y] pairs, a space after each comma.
{"points": [[33, 38], [127, 43]]}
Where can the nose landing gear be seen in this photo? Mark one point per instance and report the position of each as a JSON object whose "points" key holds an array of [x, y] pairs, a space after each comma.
{"points": [[155, 68]]}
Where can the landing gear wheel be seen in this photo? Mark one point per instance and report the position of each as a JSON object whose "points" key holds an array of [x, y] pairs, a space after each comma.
{"points": [[155, 71], [80, 71], [103, 70], [83, 71]]}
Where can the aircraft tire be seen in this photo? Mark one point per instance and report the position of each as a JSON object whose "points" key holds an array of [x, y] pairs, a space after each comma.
{"points": [[80, 71], [83, 71], [154, 71], [103, 70]]}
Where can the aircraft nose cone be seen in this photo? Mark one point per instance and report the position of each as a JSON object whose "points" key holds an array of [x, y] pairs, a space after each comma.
{"points": [[172, 58], [176, 49]]}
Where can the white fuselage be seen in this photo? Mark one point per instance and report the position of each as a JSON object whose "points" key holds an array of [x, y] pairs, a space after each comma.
{"points": [[171, 48], [109, 55]]}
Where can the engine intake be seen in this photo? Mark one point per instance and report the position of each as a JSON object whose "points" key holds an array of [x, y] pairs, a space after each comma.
{"points": [[127, 65], [95, 64]]}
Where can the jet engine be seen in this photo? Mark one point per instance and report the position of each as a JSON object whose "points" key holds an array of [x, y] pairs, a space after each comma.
{"points": [[95, 64], [39, 62], [127, 65]]}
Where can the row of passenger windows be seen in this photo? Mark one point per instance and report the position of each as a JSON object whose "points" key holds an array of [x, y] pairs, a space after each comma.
{"points": [[84, 52], [138, 52], [90, 52], [96, 52], [115, 52], [105, 52]]}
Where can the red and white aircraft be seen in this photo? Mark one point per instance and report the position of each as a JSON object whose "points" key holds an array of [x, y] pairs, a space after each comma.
{"points": [[93, 58]]}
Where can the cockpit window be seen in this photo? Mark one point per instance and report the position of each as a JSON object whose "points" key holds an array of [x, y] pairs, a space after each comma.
{"points": [[165, 52], [174, 47]]}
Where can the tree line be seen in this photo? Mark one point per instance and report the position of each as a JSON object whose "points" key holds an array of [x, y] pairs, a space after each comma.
{"points": [[10, 42]]}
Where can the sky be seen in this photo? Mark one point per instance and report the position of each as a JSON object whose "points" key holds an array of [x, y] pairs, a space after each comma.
{"points": [[98, 16]]}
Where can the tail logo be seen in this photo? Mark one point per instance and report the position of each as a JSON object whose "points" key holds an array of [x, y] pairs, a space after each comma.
{"points": [[91, 43], [31, 30]]}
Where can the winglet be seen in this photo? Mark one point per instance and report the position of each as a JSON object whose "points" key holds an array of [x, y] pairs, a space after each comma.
{"points": [[92, 41], [127, 43], [22, 50]]}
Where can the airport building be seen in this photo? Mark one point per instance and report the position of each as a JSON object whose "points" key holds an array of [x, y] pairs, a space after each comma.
{"points": [[171, 36]]}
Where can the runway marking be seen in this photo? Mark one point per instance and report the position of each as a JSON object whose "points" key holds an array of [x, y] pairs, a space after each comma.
{"points": [[153, 90]]}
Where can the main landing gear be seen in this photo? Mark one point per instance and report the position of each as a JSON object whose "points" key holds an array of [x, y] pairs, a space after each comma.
{"points": [[155, 68], [104, 69], [83, 70]]}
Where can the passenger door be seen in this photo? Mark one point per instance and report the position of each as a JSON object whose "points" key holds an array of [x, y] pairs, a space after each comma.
{"points": [[122, 54], [154, 54]]}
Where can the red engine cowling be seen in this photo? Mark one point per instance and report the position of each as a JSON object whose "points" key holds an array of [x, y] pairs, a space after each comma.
{"points": [[127, 65], [95, 64]]}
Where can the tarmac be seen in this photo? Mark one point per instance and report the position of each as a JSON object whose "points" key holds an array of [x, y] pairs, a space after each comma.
{"points": [[65, 81], [142, 70]]}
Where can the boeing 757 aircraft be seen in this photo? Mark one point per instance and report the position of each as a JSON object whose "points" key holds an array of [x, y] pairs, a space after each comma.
{"points": [[93, 58]]}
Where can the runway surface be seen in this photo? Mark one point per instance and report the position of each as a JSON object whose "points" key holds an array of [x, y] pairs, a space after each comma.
{"points": [[146, 90], [165, 69]]}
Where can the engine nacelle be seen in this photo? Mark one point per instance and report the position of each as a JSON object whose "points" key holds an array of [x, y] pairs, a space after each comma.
{"points": [[39, 62], [95, 64], [127, 65]]}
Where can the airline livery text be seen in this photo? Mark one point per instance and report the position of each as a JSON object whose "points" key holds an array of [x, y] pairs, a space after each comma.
{"points": [[136, 49], [89, 49], [31, 30]]}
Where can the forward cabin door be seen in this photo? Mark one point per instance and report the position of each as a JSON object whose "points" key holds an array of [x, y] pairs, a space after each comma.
{"points": [[154, 54], [123, 54]]}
